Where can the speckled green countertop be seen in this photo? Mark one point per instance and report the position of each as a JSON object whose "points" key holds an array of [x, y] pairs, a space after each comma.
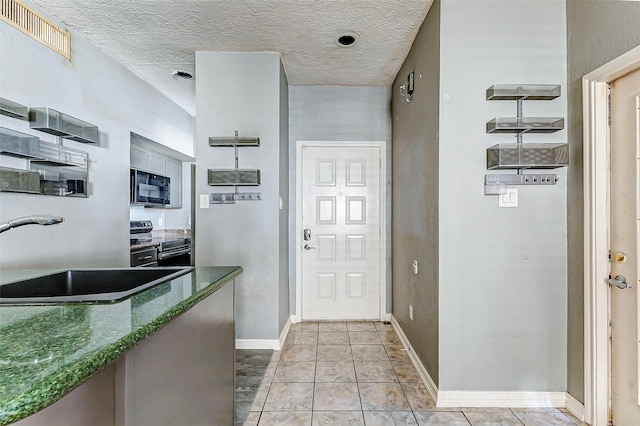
{"points": [[47, 351]]}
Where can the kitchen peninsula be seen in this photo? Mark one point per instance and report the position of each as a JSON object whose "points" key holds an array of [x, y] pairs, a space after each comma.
{"points": [[164, 356]]}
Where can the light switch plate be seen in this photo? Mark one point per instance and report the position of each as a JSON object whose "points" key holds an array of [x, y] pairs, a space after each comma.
{"points": [[509, 198], [204, 201]]}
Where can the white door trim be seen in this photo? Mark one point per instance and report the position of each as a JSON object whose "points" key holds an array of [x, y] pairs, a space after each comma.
{"points": [[596, 231], [381, 145]]}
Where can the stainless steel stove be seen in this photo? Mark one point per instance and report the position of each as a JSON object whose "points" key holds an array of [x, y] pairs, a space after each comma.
{"points": [[140, 231], [167, 251]]}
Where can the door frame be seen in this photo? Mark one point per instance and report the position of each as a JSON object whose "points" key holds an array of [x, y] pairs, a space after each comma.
{"points": [[596, 146], [381, 145]]}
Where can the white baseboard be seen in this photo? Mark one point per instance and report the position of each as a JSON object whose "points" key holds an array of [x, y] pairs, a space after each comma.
{"points": [[285, 332], [501, 399], [487, 399], [575, 407], [386, 317], [273, 344], [295, 319], [422, 371]]}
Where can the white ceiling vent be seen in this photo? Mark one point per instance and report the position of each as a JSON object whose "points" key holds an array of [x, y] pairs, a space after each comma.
{"points": [[22, 17]]}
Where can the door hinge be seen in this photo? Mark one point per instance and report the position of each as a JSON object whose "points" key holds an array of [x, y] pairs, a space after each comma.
{"points": [[609, 103], [609, 258]]}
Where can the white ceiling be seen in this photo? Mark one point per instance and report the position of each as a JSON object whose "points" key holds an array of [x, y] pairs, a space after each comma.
{"points": [[155, 37]]}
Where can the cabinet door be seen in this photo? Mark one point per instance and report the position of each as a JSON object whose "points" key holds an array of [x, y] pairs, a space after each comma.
{"points": [[174, 172], [157, 164], [139, 158]]}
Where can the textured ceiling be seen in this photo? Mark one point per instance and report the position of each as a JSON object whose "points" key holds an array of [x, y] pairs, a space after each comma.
{"points": [[154, 37]]}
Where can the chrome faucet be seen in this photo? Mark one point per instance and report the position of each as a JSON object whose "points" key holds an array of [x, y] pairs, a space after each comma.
{"points": [[31, 220]]}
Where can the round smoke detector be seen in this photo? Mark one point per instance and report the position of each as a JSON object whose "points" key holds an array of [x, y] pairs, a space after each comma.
{"points": [[347, 40]]}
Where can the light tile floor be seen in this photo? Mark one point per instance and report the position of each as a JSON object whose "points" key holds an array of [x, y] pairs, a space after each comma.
{"points": [[356, 373]]}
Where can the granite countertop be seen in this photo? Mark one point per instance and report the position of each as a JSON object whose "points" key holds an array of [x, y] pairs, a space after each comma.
{"points": [[47, 351], [162, 235]]}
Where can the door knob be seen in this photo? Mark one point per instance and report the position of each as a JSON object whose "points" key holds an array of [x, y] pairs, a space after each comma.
{"points": [[308, 247], [619, 281]]}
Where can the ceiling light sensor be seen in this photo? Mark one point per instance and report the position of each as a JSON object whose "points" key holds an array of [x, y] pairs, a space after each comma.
{"points": [[346, 40], [182, 74]]}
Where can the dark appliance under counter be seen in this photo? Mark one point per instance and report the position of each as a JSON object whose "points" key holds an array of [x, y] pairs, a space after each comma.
{"points": [[175, 252], [144, 252], [144, 257]]}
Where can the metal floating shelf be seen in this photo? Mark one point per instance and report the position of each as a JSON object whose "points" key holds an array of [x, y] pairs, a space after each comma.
{"points": [[57, 123], [18, 180], [17, 144], [527, 156], [60, 156], [530, 92], [13, 109], [525, 125], [220, 142], [234, 177]]}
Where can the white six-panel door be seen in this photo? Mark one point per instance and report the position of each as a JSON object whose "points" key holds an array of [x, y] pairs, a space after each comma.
{"points": [[625, 253], [341, 232]]}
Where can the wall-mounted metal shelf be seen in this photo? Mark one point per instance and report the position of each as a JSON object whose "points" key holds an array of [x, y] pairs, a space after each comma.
{"points": [[235, 177], [52, 169], [57, 123], [18, 180], [519, 156], [525, 125], [17, 144], [13, 109], [55, 155], [63, 171], [530, 92], [527, 156], [235, 141]]}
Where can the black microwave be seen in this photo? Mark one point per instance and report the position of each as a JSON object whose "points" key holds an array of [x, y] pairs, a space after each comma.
{"points": [[148, 189]]}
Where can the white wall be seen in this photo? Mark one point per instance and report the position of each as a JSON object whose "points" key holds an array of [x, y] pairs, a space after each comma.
{"points": [[95, 88], [503, 272], [241, 91], [331, 113]]}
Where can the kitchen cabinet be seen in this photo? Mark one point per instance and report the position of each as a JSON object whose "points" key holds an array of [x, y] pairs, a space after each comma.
{"points": [[174, 172], [139, 158], [157, 164], [147, 160]]}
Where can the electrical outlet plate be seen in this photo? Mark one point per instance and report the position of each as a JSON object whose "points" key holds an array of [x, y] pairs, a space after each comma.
{"points": [[509, 198]]}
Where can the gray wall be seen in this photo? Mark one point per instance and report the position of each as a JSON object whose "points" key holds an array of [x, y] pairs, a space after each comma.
{"points": [[597, 32], [415, 194], [502, 271], [330, 113], [95, 88], [284, 312], [241, 91]]}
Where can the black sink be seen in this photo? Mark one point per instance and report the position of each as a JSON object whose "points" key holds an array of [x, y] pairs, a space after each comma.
{"points": [[86, 286]]}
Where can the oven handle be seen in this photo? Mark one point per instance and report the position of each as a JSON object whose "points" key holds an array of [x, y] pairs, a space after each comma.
{"points": [[173, 253]]}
